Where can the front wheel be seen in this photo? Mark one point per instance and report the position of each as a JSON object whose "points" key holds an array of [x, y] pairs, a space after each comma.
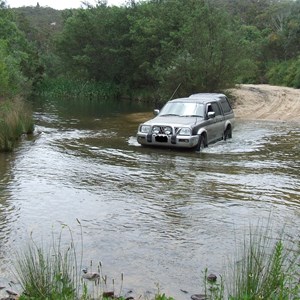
{"points": [[201, 143]]}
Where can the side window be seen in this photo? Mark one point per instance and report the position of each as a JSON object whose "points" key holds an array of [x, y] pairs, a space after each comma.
{"points": [[225, 106], [209, 108], [216, 108]]}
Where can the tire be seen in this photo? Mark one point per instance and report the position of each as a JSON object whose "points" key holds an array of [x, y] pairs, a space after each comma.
{"points": [[201, 143], [227, 133]]}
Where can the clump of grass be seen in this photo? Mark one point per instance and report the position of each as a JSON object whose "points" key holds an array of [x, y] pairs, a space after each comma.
{"points": [[265, 267], [54, 272], [15, 120], [47, 273], [268, 268]]}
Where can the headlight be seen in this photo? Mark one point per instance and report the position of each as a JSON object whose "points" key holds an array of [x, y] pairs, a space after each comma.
{"points": [[145, 128], [168, 130], [185, 131], [156, 129]]}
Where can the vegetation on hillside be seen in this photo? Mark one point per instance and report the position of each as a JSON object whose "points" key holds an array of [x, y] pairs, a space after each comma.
{"points": [[146, 49]]}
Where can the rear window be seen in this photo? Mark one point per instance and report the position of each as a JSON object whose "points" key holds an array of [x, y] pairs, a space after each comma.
{"points": [[225, 105]]}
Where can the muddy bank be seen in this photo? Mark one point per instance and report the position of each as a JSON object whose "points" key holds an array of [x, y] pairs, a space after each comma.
{"points": [[266, 102]]}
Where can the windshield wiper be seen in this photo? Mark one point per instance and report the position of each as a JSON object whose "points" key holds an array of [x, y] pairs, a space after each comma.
{"points": [[191, 116]]}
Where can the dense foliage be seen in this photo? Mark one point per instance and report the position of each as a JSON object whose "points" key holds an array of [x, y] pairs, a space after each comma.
{"points": [[147, 49], [153, 46]]}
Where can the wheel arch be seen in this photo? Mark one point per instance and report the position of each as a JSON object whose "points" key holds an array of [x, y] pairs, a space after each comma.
{"points": [[228, 125], [227, 131], [203, 132]]}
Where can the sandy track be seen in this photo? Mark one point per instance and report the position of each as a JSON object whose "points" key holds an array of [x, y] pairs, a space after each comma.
{"points": [[266, 102]]}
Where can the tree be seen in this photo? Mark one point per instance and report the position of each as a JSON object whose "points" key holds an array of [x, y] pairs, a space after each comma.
{"points": [[17, 56], [209, 57], [93, 43]]}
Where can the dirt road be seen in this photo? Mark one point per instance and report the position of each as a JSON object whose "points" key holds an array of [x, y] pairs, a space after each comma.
{"points": [[266, 102]]}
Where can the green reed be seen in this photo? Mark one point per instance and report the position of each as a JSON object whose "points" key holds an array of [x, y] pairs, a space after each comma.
{"points": [[47, 273], [54, 272], [267, 267], [70, 88], [15, 120]]}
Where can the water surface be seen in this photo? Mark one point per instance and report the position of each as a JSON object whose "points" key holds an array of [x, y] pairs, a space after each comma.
{"points": [[156, 215]]}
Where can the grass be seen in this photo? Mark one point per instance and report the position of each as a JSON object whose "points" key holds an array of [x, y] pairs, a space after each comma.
{"points": [[15, 120], [266, 267], [54, 272], [47, 273], [70, 88]]}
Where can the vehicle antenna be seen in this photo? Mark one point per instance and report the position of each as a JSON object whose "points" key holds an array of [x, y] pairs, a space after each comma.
{"points": [[175, 90]]}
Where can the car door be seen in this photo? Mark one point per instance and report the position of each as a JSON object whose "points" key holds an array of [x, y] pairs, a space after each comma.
{"points": [[219, 121], [211, 124]]}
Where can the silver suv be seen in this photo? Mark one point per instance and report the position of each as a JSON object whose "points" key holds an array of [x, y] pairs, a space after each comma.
{"points": [[192, 122]]}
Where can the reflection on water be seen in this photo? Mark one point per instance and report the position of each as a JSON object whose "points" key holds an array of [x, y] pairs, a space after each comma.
{"points": [[157, 215]]}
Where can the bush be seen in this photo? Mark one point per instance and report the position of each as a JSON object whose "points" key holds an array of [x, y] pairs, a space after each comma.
{"points": [[286, 73]]}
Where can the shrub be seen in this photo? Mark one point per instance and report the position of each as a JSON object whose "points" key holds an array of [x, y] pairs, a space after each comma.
{"points": [[285, 73]]}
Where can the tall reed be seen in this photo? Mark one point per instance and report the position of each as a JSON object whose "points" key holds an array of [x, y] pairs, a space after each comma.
{"points": [[55, 272], [266, 268], [15, 120], [48, 273], [70, 88]]}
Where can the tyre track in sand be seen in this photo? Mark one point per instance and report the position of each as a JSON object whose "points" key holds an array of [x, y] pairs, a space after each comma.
{"points": [[266, 102]]}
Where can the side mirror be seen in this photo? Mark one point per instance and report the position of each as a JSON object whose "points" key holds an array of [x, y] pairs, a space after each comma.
{"points": [[156, 112], [211, 114]]}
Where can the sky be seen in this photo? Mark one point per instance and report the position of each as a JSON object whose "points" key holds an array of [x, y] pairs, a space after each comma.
{"points": [[57, 4]]}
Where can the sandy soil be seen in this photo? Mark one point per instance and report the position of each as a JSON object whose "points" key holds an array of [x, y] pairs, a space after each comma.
{"points": [[266, 102]]}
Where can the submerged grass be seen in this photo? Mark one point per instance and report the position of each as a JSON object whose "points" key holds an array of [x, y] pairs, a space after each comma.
{"points": [[265, 268], [15, 120]]}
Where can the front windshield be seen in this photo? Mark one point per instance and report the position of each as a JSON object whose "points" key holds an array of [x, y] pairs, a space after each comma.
{"points": [[182, 109]]}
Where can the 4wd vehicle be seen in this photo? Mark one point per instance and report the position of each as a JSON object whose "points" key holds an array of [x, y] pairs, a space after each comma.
{"points": [[192, 122]]}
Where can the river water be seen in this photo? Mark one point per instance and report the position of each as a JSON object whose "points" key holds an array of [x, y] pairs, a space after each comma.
{"points": [[158, 216]]}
